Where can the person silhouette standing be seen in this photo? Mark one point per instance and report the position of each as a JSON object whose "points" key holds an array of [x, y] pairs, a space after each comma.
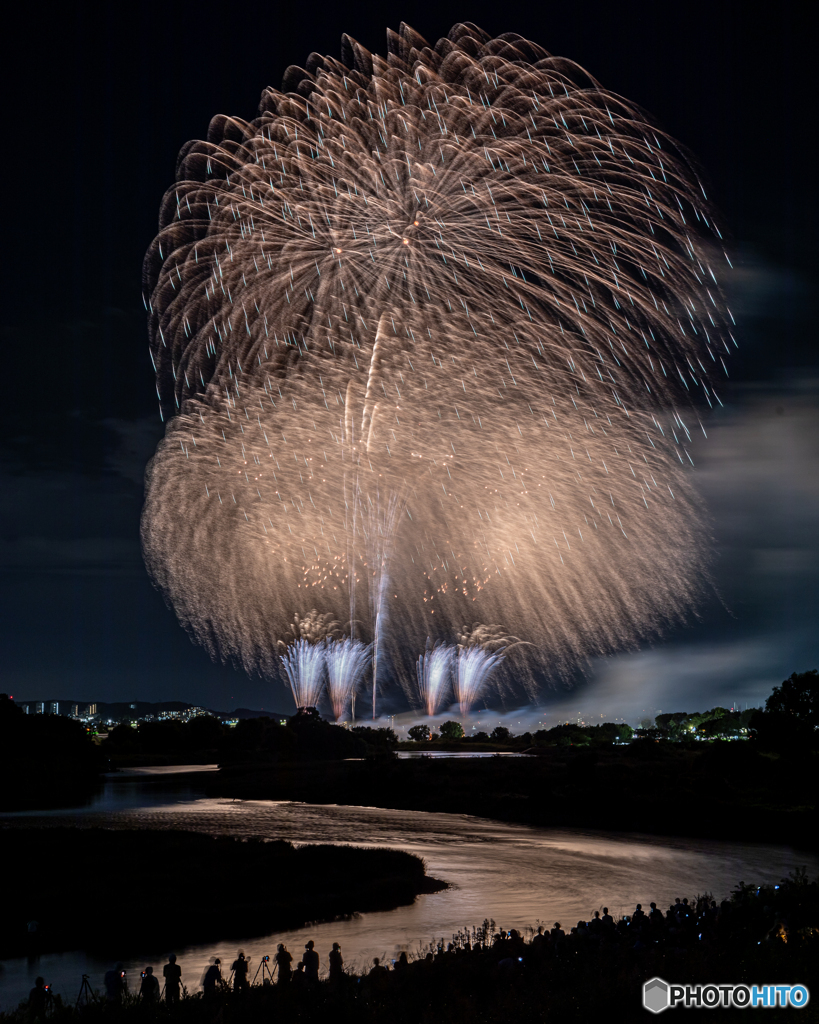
{"points": [[115, 984], [283, 960], [310, 959], [149, 989], [213, 976], [240, 969], [39, 999], [336, 965], [172, 973]]}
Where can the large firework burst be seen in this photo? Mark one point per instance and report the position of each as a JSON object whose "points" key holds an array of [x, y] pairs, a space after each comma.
{"points": [[428, 331]]}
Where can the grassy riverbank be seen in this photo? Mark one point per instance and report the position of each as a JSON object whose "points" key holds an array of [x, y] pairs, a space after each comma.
{"points": [[724, 790], [120, 891], [759, 937]]}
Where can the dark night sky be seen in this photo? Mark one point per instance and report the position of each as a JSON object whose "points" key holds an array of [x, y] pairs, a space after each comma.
{"points": [[100, 97]]}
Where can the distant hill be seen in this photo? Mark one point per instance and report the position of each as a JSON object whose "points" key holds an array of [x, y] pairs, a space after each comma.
{"points": [[250, 713]]}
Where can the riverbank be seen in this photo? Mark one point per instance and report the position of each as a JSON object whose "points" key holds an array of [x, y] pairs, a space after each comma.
{"points": [[119, 891], [719, 791], [760, 937]]}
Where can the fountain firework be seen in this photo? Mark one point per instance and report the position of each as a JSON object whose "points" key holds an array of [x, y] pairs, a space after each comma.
{"points": [[433, 670], [305, 666], [346, 662], [428, 329], [473, 668]]}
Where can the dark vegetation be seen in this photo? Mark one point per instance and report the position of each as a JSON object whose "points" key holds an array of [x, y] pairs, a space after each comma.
{"points": [[760, 936], [166, 888], [304, 737], [45, 760]]}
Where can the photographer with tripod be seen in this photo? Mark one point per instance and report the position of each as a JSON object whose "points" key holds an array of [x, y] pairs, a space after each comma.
{"points": [[173, 979]]}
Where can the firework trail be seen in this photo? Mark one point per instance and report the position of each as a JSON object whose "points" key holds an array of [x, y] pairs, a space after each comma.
{"points": [[305, 668], [473, 668], [431, 333], [433, 671], [346, 662]]}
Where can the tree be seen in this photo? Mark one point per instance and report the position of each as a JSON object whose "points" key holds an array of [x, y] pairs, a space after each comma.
{"points": [[791, 716], [9, 711], [380, 739], [674, 724], [452, 731], [798, 696], [419, 733], [500, 734]]}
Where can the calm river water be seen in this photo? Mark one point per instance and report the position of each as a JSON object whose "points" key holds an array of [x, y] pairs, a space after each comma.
{"points": [[515, 874]]}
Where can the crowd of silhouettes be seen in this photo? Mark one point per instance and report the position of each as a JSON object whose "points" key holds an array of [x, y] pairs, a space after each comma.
{"points": [[490, 950]]}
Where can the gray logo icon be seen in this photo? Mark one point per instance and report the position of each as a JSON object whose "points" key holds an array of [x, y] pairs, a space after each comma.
{"points": [[655, 995]]}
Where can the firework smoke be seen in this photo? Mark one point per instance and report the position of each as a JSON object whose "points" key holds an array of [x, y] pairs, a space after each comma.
{"points": [[428, 332]]}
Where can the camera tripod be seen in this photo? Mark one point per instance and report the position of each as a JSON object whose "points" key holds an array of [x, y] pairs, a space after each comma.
{"points": [[85, 994], [267, 974]]}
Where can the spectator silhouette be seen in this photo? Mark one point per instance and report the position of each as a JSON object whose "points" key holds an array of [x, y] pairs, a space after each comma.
{"points": [[402, 963], [39, 998], [378, 977], [607, 920], [639, 914], [240, 968], [283, 960], [299, 978], [149, 989], [172, 973], [336, 964], [213, 977], [310, 959], [115, 984], [557, 937]]}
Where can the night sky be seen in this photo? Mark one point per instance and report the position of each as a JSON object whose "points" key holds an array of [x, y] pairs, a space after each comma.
{"points": [[98, 102]]}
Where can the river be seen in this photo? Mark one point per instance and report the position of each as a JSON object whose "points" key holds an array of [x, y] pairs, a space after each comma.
{"points": [[517, 875]]}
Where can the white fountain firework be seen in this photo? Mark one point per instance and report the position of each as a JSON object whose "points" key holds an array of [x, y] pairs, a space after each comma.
{"points": [[429, 328], [346, 662], [433, 673], [473, 669], [304, 664]]}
